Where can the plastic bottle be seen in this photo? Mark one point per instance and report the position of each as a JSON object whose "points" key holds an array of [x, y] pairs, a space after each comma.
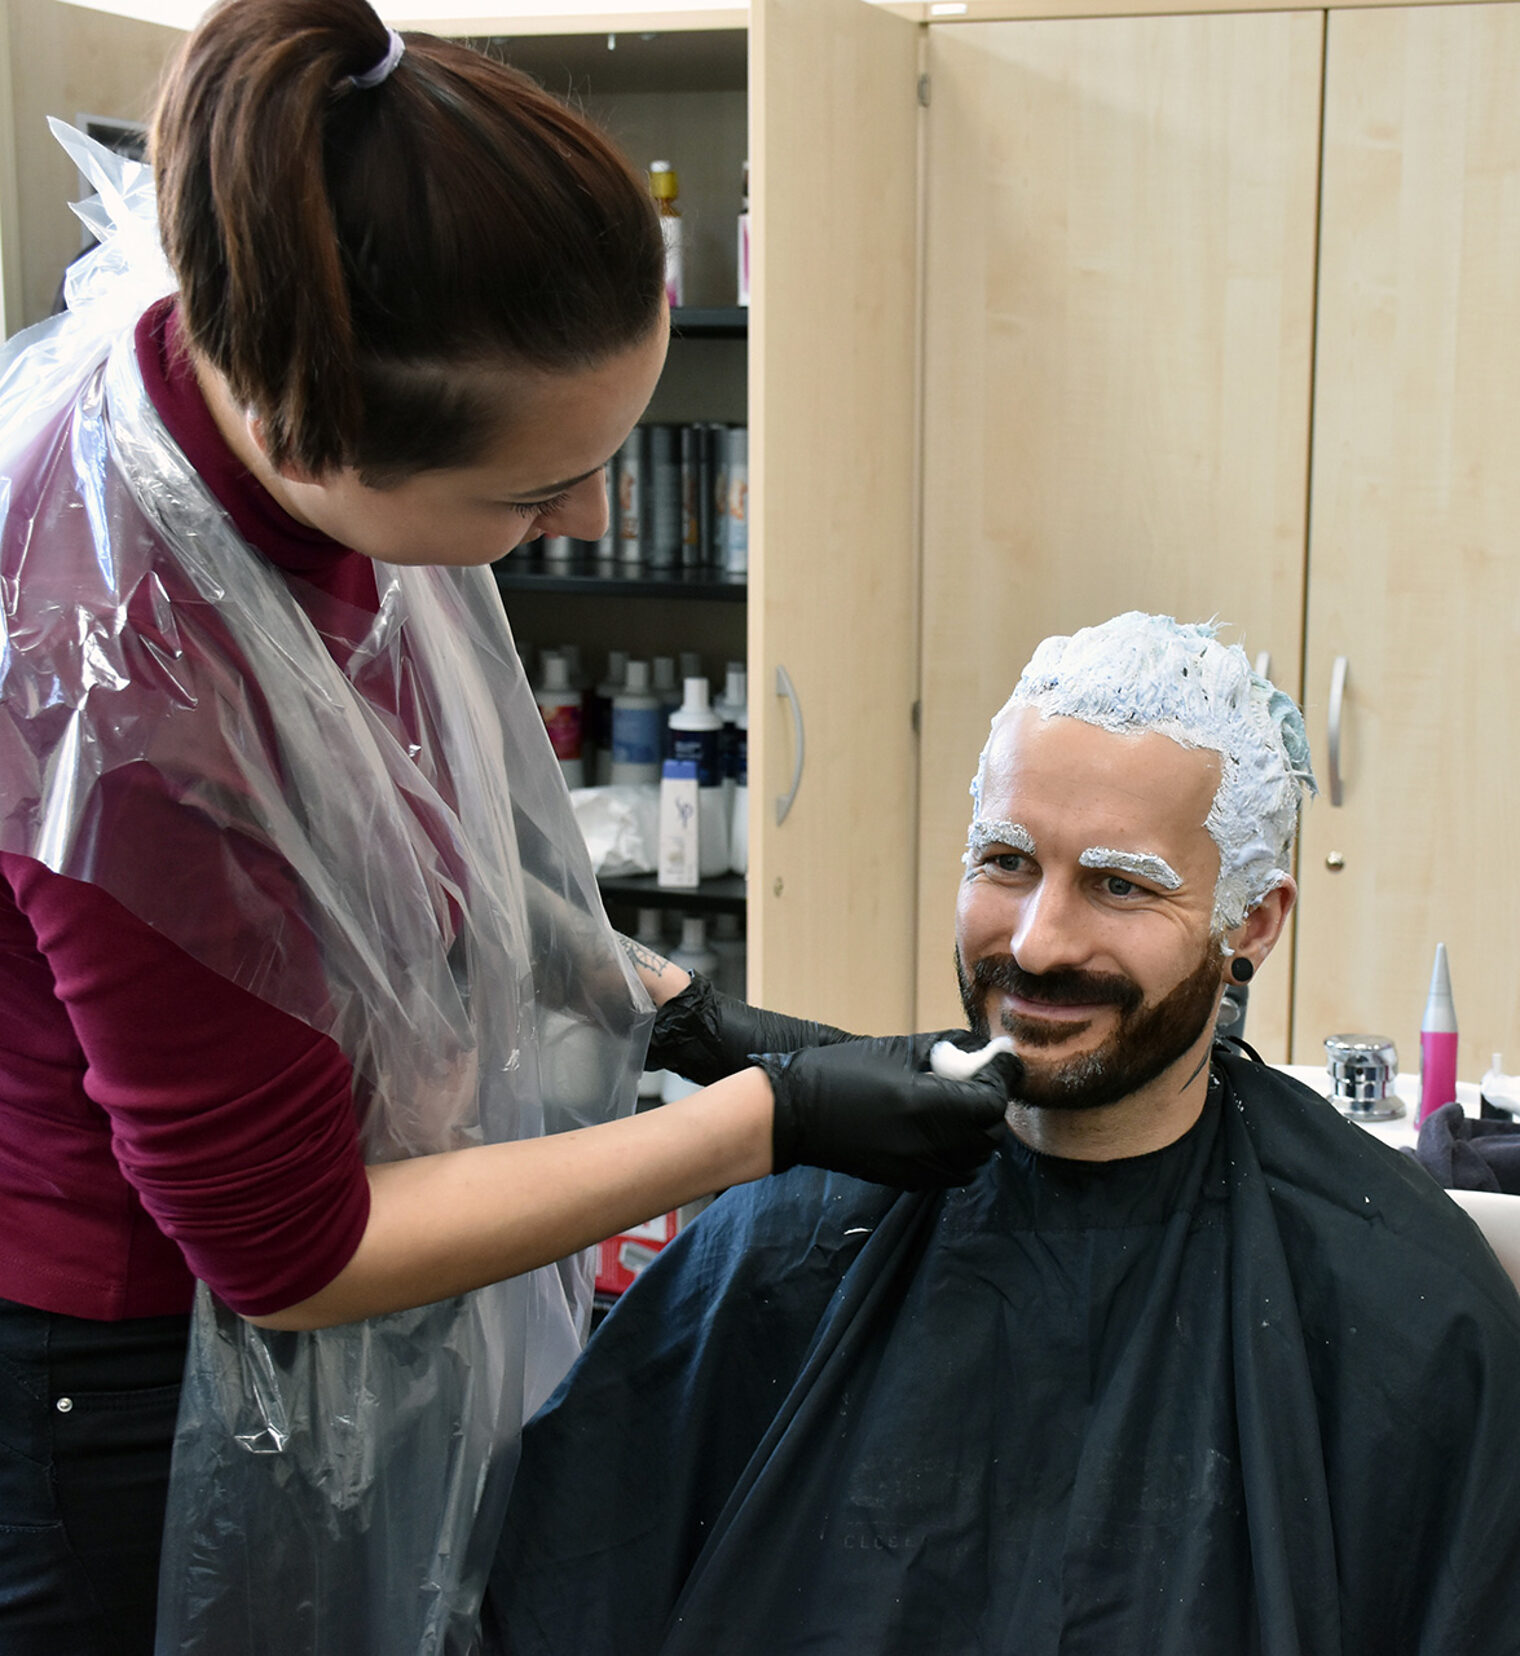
{"points": [[649, 931], [560, 704], [695, 730], [738, 823], [693, 955], [636, 720], [727, 943], [666, 188], [691, 664], [601, 714], [1438, 1041]]}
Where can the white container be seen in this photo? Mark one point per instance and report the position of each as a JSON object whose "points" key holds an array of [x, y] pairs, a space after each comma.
{"points": [[560, 704], [680, 799], [692, 955], [637, 718], [694, 734]]}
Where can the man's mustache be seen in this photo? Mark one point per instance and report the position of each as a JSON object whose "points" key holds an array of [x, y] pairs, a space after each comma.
{"points": [[1058, 988]]}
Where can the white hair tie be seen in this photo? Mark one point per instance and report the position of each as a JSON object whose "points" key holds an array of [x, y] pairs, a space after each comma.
{"points": [[382, 70]]}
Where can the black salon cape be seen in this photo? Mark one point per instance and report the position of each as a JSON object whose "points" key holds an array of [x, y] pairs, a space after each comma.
{"points": [[1258, 1391]]}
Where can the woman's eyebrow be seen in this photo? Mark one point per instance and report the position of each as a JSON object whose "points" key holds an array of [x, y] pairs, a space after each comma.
{"points": [[1142, 864], [549, 490]]}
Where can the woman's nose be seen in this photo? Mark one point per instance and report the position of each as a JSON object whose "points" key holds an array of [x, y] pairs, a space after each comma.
{"points": [[583, 513]]}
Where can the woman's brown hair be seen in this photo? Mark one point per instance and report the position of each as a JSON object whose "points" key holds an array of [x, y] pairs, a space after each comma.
{"points": [[346, 255]]}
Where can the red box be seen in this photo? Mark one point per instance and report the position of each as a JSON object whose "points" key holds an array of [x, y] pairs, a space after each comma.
{"points": [[621, 1258]]}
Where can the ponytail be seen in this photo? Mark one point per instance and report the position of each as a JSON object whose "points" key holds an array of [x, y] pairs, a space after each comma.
{"points": [[347, 253]]}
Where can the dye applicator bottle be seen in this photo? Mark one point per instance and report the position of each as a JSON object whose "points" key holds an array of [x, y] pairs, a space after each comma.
{"points": [[1438, 1040]]}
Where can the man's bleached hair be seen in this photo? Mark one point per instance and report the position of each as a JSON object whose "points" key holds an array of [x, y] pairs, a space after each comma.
{"points": [[1148, 672]]}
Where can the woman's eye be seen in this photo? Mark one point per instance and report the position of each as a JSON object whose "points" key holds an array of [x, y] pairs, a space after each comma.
{"points": [[540, 508]]}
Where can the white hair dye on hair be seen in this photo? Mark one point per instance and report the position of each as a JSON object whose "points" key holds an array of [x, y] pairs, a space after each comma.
{"points": [[1142, 672]]}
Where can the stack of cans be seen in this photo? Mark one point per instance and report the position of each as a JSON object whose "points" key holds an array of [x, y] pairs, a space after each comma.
{"points": [[679, 498]]}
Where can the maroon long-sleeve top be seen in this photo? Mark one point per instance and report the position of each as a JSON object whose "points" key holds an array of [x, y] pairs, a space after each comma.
{"points": [[157, 1123]]}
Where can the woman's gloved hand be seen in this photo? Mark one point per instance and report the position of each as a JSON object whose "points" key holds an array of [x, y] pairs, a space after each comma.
{"points": [[704, 1035], [870, 1109]]}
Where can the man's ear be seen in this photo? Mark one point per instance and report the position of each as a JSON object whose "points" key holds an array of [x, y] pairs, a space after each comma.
{"points": [[1256, 936]]}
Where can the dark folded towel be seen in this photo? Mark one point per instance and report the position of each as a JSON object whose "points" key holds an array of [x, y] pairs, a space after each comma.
{"points": [[1461, 1153]]}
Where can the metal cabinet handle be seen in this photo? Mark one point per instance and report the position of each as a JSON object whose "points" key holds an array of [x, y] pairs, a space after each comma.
{"points": [[1337, 709], [784, 687]]}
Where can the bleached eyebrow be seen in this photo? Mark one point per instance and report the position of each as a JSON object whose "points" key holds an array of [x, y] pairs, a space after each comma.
{"points": [[985, 831], [1142, 865]]}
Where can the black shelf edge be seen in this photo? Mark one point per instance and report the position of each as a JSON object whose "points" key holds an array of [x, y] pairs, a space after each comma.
{"points": [[716, 322], [590, 577], [725, 894]]}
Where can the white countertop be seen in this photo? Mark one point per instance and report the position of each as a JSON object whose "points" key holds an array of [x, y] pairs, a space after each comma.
{"points": [[1401, 1130]]}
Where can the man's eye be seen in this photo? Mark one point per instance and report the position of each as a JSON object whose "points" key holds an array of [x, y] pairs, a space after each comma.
{"points": [[1008, 862], [1118, 886]]}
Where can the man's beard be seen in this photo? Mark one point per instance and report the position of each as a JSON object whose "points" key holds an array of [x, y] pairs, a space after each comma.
{"points": [[1145, 1041]]}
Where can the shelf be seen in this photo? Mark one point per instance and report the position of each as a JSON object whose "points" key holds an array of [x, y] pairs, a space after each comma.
{"points": [[695, 322], [725, 894], [591, 577]]}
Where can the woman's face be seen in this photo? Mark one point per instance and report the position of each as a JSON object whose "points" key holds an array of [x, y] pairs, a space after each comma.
{"points": [[544, 473]]}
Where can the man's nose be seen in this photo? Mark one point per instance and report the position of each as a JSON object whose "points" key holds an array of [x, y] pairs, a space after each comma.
{"points": [[1050, 929]]}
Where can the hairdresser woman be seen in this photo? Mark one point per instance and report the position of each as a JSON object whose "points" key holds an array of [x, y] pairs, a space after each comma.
{"points": [[305, 991]]}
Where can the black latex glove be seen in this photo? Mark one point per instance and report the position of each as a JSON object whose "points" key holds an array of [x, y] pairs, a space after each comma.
{"points": [[704, 1035], [865, 1109]]}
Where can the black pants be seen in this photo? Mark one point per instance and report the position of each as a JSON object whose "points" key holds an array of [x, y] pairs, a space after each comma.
{"points": [[87, 1415]]}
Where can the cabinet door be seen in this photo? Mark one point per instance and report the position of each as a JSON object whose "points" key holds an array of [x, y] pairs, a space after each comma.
{"points": [[1414, 552], [1119, 293], [833, 106]]}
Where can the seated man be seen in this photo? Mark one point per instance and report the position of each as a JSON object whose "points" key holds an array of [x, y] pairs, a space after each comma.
{"points": [[1193, 1367]]}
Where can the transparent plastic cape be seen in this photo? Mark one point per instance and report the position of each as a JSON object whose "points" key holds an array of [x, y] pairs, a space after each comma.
{"points": [[385, 850]]}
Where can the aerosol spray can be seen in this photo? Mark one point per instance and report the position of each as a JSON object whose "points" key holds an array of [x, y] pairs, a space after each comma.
{"points": [[630, 501], [662, 539], [736, 528]]}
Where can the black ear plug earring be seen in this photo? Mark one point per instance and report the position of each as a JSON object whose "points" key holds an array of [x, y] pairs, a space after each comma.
{"points": [[1241, 969]]}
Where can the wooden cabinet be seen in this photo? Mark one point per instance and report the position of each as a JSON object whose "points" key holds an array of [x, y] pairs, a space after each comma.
{"points": [[1414, 542], [833, 573], [1119, 324]]}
